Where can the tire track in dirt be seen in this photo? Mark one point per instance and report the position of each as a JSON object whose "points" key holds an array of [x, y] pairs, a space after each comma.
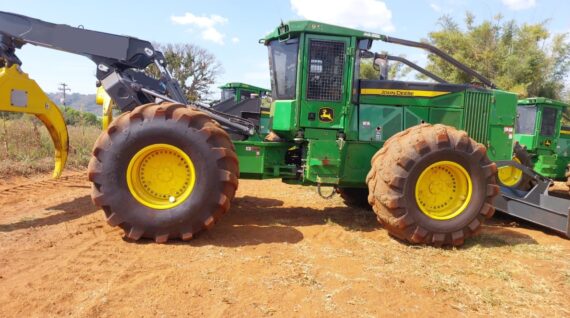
{"points": [[281, 251], [41, 185]]}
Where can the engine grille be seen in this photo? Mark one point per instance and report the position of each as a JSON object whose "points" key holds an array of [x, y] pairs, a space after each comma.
{"points": [[477, 115]]}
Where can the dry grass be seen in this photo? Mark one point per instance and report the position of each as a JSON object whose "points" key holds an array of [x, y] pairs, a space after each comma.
{"points": [[26, 147]]}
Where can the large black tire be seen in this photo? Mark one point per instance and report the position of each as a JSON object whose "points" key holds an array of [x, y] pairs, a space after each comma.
{"points": [[355, 197], [396, 168], [191, 131]]}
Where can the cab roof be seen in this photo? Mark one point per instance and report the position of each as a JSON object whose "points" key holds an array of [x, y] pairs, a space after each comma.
{"points": [[542, 100], [292, 28], [243, 86]]}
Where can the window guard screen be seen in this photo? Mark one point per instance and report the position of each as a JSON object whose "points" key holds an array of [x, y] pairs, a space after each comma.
{"points": [[326, 70]]}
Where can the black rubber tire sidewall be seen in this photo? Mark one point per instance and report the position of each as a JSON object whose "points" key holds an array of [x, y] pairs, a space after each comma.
{"points": [[478, 196], [190, 214]]}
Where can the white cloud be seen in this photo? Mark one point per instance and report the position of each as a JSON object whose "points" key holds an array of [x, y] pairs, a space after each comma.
{"points": [[367, 14], [435, 7], [206, 24], [235, 39], [199, 21], [211, 34], [519, 4]]}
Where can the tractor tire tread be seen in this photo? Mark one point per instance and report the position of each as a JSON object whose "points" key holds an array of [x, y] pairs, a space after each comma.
{"points": [[225, 159], [391, 166]]}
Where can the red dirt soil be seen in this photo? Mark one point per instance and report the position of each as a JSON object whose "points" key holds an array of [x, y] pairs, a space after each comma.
{"points": [[281, 251]]}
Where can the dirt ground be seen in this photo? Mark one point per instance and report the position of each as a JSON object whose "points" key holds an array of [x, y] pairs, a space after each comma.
{"points": [[281, 251]]}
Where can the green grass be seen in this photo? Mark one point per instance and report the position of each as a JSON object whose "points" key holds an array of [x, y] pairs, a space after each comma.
{"points": [[26, 147]]}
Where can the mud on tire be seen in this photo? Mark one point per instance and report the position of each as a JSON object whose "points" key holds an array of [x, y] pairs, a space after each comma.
{"points": [[191, 131], [396, 168]]}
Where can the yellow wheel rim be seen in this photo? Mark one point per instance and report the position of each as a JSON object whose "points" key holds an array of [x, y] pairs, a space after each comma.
{"points": [[161, 176], [510, 176], [443, 190]]}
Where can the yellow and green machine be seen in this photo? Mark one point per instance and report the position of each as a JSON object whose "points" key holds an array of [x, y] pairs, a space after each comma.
{"points": [[238, 91], [246, 101], [544, 134], [423, 155]]}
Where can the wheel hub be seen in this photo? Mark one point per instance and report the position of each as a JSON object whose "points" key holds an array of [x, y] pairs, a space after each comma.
{"points": [[510, 176], [443, 190], [161, 176]]}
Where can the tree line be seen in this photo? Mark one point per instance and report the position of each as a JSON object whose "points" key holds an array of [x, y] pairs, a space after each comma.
{"points": [[523, 58]]}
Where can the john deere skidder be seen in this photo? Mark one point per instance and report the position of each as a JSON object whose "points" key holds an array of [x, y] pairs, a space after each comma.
{"points": [[245, 101], [542, 142], [420, 153], [240, 91]]}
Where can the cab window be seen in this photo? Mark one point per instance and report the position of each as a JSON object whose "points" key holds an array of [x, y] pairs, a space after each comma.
{"points": [[526, 120], [548, 122]]}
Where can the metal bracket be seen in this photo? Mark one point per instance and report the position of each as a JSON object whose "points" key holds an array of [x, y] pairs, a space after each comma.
{"points": [[536, 205]]}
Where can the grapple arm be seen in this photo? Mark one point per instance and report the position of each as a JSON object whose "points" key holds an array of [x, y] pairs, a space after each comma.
{"points": [[19, 93]]}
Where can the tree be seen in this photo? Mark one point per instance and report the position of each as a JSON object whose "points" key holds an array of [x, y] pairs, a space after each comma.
{"points": [[524, 58], [75, 117], [193, 67], [396, 70]]}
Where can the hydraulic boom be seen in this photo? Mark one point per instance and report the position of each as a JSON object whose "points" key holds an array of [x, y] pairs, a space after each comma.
{"points": [[120, 62]]}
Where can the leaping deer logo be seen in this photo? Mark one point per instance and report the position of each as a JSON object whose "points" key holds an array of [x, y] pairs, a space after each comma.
{"points": [[326, 114]]}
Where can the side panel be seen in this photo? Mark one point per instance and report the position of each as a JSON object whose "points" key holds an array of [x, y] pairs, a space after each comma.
{"points": [[415, 115], [262, 160], [502, 122], [356, 163], [563, 148], [563, 155], [329, 162], [447, 116], [283, 114], [323, 162], [378, 123]]}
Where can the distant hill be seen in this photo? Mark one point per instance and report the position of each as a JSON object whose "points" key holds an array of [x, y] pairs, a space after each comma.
{"points": [[83, 102]]}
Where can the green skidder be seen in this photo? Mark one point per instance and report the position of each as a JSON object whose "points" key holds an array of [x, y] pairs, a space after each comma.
{"points": [[542, 141], [241, 91], [420, 153]]}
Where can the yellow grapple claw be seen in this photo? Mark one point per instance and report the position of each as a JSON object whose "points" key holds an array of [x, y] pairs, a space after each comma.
{"points": [[102, 98], [20, 94]]}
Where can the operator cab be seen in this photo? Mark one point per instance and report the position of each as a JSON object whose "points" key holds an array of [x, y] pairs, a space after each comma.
{"points": [[227, 93], [240, 91], [321, 79], [539, 123]]}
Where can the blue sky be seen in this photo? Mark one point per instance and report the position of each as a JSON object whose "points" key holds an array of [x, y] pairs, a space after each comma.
{"points": [[231, 29]]}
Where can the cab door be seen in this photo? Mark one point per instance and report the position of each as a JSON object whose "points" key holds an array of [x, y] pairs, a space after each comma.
{"points": [[324, 86], [549, 128]]}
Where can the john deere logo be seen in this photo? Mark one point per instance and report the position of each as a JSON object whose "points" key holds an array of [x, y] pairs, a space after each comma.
{"points": [[547, 142], [326, 114]]}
